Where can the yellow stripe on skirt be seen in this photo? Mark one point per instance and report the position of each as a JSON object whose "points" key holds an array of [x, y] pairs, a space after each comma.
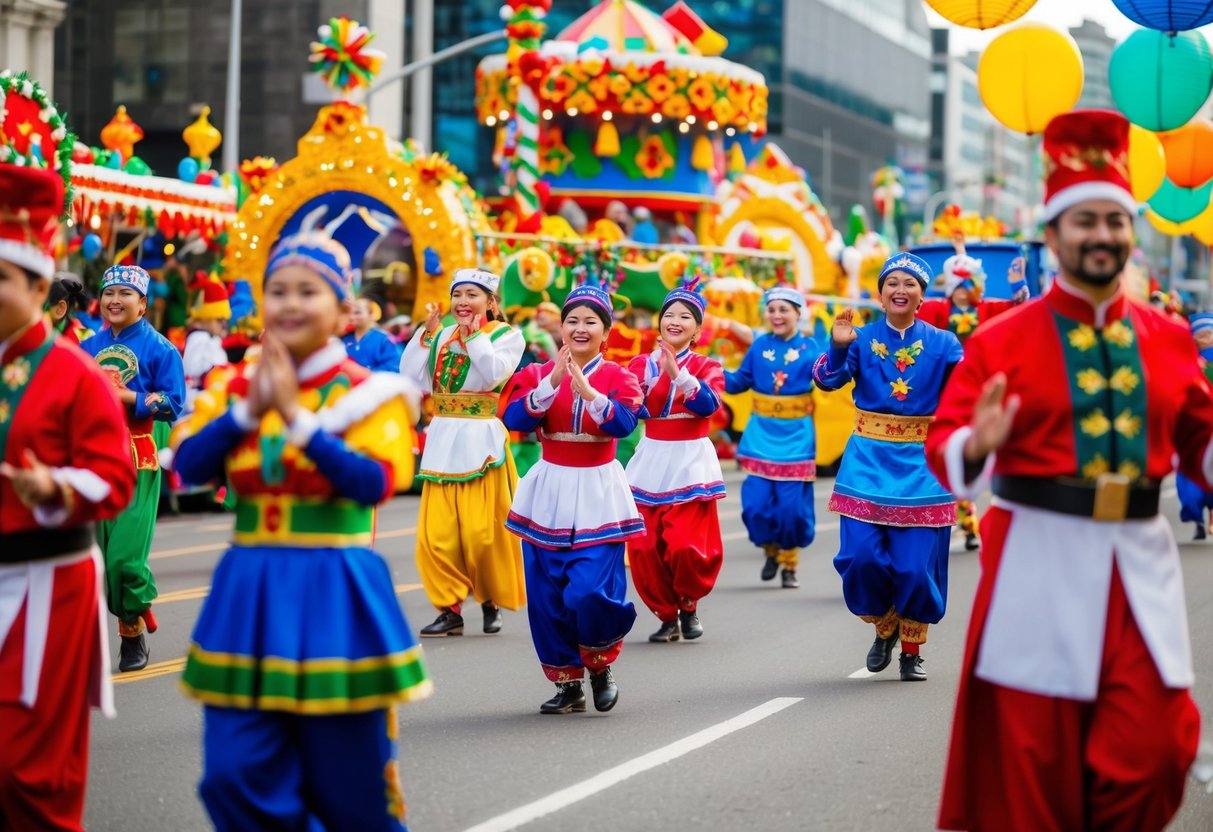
{"points": [[463, 547]]}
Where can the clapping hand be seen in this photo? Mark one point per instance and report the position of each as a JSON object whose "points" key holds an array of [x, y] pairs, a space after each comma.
{"points": [[580, 384], [433, 319], [283, 384], [668, 360], [992, 418], [465, 330], [560, 366], [843, 332]]}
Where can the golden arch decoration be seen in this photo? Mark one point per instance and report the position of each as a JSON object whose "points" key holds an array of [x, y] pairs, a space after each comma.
{"points": [[816, 270], [341, 152]]}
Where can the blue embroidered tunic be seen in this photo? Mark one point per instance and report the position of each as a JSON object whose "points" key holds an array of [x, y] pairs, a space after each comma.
{"points": [[375, 351], [899, 377], [779, 441]]}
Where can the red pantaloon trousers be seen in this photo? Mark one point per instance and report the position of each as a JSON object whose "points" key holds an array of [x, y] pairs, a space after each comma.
{"points": [[44, 749], [677, 561], [1021, 761]]}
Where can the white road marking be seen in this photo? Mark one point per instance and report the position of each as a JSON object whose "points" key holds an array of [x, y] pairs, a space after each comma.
{"points": [[613, 776], [862, 673]]}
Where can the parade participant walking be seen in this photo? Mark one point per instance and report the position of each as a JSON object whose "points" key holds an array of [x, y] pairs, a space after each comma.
{"points": [[896, 518], [147, 372], [204, 350], [675, 474], [470, 478], [64, 464], [961, 311], [66, 300], [778, 449], [1194, 501], [301, 648], [1079, 639], [574, 509], [366, 343]]}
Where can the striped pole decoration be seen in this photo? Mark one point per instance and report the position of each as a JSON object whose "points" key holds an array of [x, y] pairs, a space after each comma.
{"points": [[525, 28]]}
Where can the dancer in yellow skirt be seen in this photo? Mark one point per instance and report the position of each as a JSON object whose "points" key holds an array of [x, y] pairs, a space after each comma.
{"points": [[462, 545]]}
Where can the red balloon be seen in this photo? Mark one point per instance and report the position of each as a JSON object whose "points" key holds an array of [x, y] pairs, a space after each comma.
{"points": [[206, 177]]}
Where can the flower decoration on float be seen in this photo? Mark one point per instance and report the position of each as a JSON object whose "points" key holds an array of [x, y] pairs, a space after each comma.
{"points": [[342, 55]]}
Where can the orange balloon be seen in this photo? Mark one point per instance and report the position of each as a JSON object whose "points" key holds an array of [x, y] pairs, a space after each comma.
{"points": [[1189, 153]]}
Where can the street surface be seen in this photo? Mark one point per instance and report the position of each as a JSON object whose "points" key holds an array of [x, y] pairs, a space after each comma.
{"points": [[769, 722]]}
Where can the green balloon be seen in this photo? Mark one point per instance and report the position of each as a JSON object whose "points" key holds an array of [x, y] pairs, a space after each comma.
{"points": [[1160, 80], [1181, 204], [136, 167]]}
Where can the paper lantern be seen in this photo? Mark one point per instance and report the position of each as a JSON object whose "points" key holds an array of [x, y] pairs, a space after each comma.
{"points": [[1160, 81], [1147, 163], [1167, 15], [1177, 204], [1189, 152], [981, 14], [1030, 74]]}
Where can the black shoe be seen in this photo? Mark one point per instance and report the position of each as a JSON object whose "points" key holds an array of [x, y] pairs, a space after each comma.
{"points": [[972, 544], [569, 698], [606, 692], [789, 579], [133, 654], [691, 628], [911, 668], [446, 624], [770, 569], [492, 618], [668, 632], [882, 652], [1200, 532]]}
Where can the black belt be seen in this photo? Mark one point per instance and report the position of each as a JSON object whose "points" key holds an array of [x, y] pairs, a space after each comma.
{"points": [[1109, 498], [43, 544]]}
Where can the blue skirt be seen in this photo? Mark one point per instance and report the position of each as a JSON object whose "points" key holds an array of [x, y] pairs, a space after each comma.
{"points": [[304, 630]]}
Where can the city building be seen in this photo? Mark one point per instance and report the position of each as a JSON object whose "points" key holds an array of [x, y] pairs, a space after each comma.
{"points": [[1096, 46], [27, 37], [847, 77], [975, 162]]}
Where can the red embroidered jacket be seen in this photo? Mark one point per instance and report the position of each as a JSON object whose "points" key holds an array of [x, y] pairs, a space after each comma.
{"points": [[669, 412], [71, 419]]}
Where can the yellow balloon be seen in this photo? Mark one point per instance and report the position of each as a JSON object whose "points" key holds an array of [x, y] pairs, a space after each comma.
{"points": [[1165, 226], [1147, 163], [1202, 227], [1030, 74], [981, 14]]}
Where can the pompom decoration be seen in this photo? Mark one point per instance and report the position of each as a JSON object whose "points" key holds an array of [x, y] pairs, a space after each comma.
{"points": [[32, 131], [341, 56]]}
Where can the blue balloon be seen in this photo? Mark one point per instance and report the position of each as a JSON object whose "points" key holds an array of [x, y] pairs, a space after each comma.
{"points": [[1167, 15], [1158, 81], [187, 169], [91, 247], [114, 162]]}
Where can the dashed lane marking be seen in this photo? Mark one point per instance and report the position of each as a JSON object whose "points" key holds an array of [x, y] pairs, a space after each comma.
{"points": [[862, 673], [614, 776]]}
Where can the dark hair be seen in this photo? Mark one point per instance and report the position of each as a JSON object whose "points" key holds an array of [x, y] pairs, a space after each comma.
{"points": [[602, 314], [695, 311], [67, 287]]}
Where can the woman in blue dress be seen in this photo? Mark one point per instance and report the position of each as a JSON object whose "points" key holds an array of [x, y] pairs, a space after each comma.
{"points": [[778, 450], [896, 517]]}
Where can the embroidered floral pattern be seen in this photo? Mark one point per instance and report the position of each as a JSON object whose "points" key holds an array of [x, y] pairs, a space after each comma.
{"points": [[879, 349], [791, 355], [962, 323], [778, 378], [16, 374], [1124, 380], [1127, 425], [1098, 465], [1095, 424], [6, 412], [906, 355], [1131, 470], [901, 390], [1091, 381], [769, 355], [1119, 334], [1082, 338]]}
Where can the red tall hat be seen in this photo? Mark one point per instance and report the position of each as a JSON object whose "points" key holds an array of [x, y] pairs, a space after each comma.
{"points": [[1087, 157], [211, 301], [35, 154]]}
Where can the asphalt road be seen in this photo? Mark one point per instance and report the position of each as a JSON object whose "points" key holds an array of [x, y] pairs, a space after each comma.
{"points": [[768, 722]]}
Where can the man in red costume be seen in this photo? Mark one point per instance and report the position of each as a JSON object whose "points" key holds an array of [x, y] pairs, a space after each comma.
{"points": [[1074, 711], [65, 462]]}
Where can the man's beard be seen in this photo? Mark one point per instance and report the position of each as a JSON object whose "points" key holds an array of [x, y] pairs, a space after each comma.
{"points": [[1120, 255]]}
